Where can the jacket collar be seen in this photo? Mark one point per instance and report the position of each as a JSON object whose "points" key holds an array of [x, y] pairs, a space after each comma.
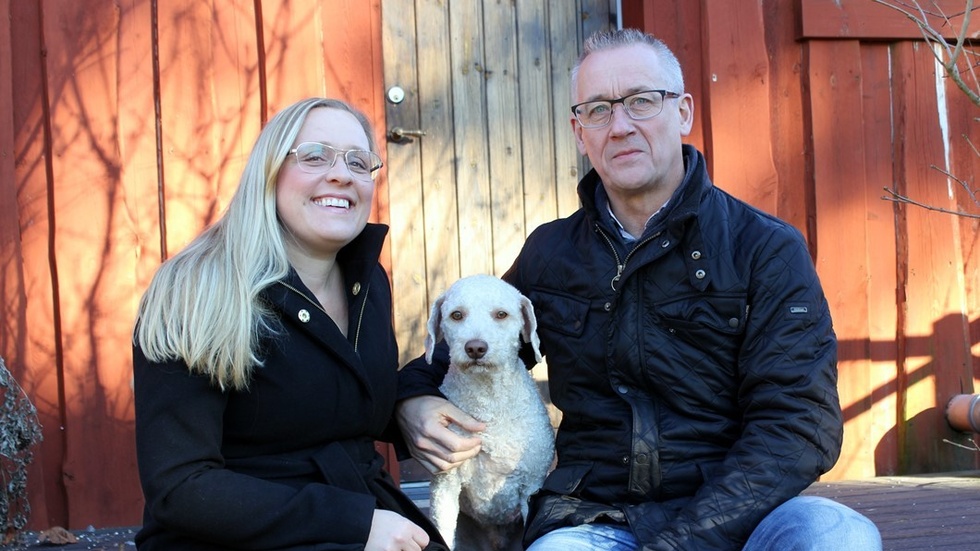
{"points": [[358, 260], [682, 206]]}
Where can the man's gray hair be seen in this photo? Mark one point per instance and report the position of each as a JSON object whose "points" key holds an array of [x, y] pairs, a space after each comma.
{"points": [[605, 40]]}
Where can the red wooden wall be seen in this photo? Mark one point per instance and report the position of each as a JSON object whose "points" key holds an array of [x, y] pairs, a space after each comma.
{"points": [[124, 123], [123, 127]]}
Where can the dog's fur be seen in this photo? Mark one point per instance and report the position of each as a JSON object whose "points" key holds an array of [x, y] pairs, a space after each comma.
{"points": [[482, 319]]}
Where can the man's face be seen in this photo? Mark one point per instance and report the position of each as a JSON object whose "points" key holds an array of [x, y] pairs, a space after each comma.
{"points": [[632, 157]]}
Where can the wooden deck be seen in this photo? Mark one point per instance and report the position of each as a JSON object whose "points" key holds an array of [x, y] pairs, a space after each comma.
{"points": [[912, 512], [915, 512]]}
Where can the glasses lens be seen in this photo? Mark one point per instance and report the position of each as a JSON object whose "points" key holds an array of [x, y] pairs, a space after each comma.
{"points": [[644, 105], [315, 157], [593, 113], [363, 162]]}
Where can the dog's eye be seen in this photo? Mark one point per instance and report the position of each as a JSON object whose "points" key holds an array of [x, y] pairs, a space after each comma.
{"points": [[501, 314], [456, 315]]}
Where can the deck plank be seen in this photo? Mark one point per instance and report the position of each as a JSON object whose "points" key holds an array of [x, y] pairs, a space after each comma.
{"points": [[915, 512]]}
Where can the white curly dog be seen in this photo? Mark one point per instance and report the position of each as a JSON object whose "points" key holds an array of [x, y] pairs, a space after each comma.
{"points": [[482, 319]]}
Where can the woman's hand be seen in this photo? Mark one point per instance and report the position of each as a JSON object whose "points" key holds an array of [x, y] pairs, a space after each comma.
{"points": [[393, 532], [425, 421]]}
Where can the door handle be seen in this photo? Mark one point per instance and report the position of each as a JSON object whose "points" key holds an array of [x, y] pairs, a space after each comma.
{"points": [[399, 134]]}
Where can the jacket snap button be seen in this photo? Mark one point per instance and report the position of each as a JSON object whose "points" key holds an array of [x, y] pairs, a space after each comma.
{"points": [[626, 460], [607, 307], [700, 274], [304, 316], [622, 389], [696, 255], [356, 289], [733, 323], [665, 244]]}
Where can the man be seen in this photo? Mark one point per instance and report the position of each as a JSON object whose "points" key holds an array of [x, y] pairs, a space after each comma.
{"points": [[689, 345]]}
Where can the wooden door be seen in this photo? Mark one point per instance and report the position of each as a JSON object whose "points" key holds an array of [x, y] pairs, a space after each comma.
{"points": [[480, 91], [487, 84]]}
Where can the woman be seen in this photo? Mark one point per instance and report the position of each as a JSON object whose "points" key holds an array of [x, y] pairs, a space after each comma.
{"points": [[265, 361]]}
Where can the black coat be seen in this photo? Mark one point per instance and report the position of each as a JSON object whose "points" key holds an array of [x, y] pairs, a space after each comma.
{"points": [[289, 463], [695, 370]]}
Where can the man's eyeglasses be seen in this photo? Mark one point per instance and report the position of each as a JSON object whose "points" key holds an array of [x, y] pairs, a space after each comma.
{"points": [[639, 106], [317, 158]]}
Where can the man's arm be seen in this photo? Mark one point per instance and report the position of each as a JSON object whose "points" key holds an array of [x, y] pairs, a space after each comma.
{"points": [[425, 416]]}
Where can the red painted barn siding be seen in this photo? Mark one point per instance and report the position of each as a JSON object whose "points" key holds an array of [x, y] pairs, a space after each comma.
{"points": [[82, 229]]}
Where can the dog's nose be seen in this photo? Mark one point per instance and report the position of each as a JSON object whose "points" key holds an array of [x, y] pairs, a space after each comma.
{"points": [[476, 348]]}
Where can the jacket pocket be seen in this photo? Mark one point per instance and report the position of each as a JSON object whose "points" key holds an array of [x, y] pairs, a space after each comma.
{"points": [[722, 313], [566, 479], [706, 320]]}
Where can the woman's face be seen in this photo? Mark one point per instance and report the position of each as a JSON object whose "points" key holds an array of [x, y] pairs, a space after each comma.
{"points": [[326, 209]]}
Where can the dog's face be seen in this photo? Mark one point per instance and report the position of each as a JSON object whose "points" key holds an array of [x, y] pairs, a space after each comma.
{"points": [[482, 318]]}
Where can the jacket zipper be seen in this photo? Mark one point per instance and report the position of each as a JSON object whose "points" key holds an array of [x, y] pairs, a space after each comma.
{"points": [[621, 266], [360, 315]]}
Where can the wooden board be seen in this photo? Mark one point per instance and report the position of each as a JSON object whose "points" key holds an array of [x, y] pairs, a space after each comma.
{"points": [[866, 19]]}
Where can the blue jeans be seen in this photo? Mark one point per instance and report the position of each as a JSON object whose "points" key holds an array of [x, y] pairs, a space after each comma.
{"points": [[803, 523]]}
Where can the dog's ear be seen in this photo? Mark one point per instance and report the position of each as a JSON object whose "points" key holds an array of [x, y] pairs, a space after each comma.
{"points": [[530, 329], [434, 327]]}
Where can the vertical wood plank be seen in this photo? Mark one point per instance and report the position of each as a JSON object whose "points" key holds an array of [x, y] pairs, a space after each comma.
{"points": [[404, 170], [235, 92], [565, 46], [794, 190], [594, 16], [441, 231], [935, 327], [23, 231], [96, 280], [138, 150], [881, 437], [539, 201], [190, 120], [35, 354], [472, 99], [739, 99], [963, 118], [507, 121], [833, 74], [294, 57]]}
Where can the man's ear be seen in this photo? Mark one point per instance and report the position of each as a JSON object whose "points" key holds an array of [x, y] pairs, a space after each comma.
{"points": [[577, 130], [685, 107]]}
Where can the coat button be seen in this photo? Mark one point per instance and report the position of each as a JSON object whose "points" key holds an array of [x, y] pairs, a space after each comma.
{"points": [[733, 323], [356, 289], [622, 389], [700, 274], [696, 255], [665, 243], [303, 315]]}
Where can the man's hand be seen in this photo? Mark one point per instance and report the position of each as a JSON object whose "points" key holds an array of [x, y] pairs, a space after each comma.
{"points": [[393, 532], [425, 421]]}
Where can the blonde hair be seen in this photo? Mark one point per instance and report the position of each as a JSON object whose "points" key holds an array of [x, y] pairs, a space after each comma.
{"points": [[203, 306]]}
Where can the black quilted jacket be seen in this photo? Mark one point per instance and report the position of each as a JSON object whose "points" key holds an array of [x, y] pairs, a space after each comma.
{"points": [[696, 373]]}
